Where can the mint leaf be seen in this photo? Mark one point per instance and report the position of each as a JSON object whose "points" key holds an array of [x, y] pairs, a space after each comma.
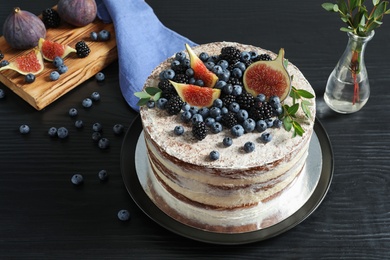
{"points": [[152, 90]]}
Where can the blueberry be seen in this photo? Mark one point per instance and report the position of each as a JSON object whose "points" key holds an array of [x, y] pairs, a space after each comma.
{"points": [[161, 102], [54, 75], [217, 70], [186, 63], [234, 107], [124, 215], [204, 112], [24, 129], [216, 127], [118, 129], [180, 56], [104, 35], [237, 130], [100, 76], [269, 122], [186, 116], [227, 141], [209, 65], [249, 147], [191, 81], [278, 109], [266, 137], [218, 103], [240, 65], [215, 111], [87, 102], [199, 82], [151, 104], [175, 64], [58, 61], [52, 131], [62, 132], [237, 73], [245, 56], [224, 110], [79, 124], [223, 63], [97, 127], [242, 115], [253, 54], [2, 93], [73, 112], [227, 89], [277, 123], [77, 179], [193, 110], [261, 126], [203, 56], [104, 143], [186, 107], [190, 72], [196, 118], [29, 78], [274, 100], [260, 97], [93, 36], [168, 74], [62, 69], [4, 63], [209, 121], [237, 90], [220, 84], [214, 155], [225, 75], [249, 125], [96, 136], [178, 130], [95, 96], [103, 175]]}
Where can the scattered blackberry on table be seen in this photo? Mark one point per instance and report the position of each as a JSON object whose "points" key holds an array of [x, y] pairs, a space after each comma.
{"points": [[124, 215], [167, 89], [174, 105], [82, 49], [51, 18], [199, 130], [77, 179], [29, 78], [24, 129], [245, 100], [230, 54], [229, 120]]}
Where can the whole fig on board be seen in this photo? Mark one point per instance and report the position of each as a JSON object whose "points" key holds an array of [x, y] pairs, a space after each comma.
{"points": [[77, 12], [23, 29]]}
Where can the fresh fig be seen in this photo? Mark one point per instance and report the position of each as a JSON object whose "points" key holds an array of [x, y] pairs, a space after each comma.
{"points": [[51, 49], [31, 62], [270, 78], [77, 12], [23, 29], [200, 70], [195, 95]]}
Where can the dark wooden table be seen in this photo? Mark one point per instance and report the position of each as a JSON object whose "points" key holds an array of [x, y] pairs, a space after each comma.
{"points": [[44, 216]]}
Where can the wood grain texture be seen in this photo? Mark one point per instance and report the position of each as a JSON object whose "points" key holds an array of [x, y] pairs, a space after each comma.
{"points": [[44, 91], [43, 216]]}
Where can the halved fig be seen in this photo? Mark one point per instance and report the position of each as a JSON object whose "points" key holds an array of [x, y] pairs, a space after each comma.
{"points": [[200, 70], [195, 95], [31, 62], [268, 77], [51, 49]]}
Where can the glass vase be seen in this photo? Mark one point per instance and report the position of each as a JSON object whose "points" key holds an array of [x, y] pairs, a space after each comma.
{"points": [[348, 88]]}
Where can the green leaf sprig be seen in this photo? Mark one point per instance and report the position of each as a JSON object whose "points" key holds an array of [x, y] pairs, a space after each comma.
{"points": [[147, 94], [356, 16], [289, 112]]}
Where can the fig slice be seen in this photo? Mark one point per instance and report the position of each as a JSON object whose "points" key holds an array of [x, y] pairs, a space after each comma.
{"points": [[51, 49], [200, 70], [195, 95], [31, 62], [270, 78]]}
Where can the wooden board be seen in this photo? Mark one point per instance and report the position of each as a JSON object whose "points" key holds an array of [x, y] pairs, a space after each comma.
{"points": [[43, 91]]}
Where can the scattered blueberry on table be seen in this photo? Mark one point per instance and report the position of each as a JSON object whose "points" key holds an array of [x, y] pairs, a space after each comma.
{"points": [[77, 179], [24, 129], [123, 215]]}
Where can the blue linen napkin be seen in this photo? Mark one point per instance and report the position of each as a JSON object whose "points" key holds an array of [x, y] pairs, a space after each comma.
{"points": [[142, 41]]}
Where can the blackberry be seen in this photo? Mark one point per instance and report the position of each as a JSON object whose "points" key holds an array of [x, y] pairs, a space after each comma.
{"points": [[228, 99], [174, 105], [229, 119], [262, 57], [230, 54], [168, 91], [180, 69], [245, 100], [181, 78], [234, 81], [265, 111], [199, 130], [51, 18], [82, 49]]}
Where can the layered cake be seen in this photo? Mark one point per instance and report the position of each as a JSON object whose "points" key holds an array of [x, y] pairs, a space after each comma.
{"points": [[216, 183]]}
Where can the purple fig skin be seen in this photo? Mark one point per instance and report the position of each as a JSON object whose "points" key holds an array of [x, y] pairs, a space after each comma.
{"points": [[23, 29], [77, 12]]}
